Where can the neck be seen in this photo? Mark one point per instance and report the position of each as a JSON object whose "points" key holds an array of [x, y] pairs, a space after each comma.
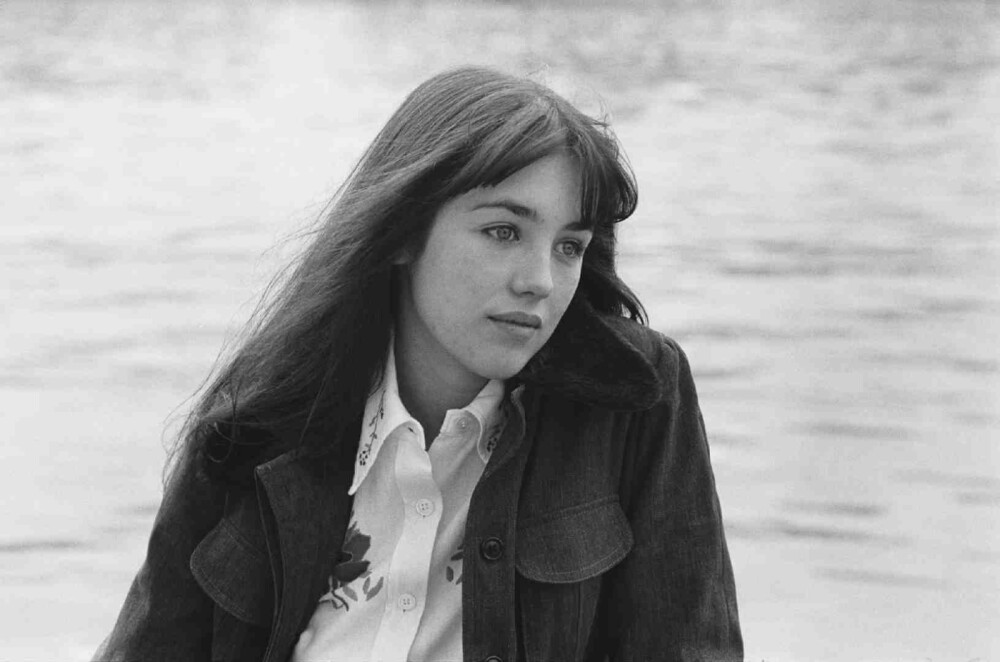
{"points": [[428, 390]]}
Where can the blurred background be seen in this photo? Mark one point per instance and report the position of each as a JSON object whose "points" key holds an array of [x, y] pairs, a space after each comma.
{"points": [[818, 226]]}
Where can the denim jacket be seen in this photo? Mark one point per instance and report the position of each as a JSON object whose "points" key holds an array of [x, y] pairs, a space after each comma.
{"points": [[594, 533]]}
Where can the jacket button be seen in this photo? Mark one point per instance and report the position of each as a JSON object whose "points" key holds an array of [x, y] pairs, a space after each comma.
{"points": [[493, 658], [492, 550]]}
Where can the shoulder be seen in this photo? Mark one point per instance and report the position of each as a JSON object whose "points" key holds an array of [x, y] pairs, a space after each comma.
{"points": [[664, 355], [657, 347], [608, 361]]}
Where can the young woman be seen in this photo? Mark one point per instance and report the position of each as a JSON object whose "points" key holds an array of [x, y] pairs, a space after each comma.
{"points": [[448, 435]]}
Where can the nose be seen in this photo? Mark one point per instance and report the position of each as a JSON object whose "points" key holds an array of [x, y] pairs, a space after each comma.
{"points": [[533, 275]]}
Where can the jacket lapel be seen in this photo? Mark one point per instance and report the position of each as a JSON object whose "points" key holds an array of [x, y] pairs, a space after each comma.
{"points": [[305, 509]]}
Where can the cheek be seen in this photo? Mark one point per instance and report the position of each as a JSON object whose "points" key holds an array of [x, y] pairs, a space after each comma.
{"points": [[448, 285], [566, 287], [477, 275]]}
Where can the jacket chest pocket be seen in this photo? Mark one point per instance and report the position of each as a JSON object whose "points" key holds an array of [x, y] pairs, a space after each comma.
{"points": [[561, 559], [237, 577]]}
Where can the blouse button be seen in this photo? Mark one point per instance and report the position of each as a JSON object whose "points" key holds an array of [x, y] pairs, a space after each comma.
{"points": [[491, 549], [424, 507], [406, 602]]}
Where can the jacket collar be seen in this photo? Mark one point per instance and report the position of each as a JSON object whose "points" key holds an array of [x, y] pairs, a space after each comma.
{"points": [[595, 358], [599, 359]]}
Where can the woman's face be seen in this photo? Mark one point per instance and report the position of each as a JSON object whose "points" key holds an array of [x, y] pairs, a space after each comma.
{"points": [[497, 272]]}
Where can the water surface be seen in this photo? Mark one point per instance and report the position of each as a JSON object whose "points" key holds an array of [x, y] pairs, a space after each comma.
{"points": [[817, 226]]}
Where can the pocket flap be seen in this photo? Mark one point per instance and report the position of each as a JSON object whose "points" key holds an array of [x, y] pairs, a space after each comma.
{"points": [[573, 544], [234, 574]]}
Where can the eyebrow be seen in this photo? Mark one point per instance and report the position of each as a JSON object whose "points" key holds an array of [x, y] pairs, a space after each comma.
{"points": [[526, 212]]}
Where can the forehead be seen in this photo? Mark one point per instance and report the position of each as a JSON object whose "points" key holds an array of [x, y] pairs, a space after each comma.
{"points": [[547, 190]]}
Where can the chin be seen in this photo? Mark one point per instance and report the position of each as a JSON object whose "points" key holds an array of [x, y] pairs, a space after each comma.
{"points": [[504, 367]]}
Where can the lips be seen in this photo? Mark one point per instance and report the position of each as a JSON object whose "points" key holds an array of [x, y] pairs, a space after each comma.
{"points": [[520, 319]]}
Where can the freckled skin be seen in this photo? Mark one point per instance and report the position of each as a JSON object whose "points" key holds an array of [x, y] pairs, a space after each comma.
{"points": [[491, 251]]}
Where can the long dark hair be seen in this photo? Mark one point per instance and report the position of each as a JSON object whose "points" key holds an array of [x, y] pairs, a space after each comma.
{"points": [[317, 340]]}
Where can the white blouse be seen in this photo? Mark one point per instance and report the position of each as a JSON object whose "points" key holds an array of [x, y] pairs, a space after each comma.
{"points": [[395, 594]]}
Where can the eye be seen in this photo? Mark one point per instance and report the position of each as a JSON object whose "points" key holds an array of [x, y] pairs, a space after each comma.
{"points": [[571, 248], [502, 233]]}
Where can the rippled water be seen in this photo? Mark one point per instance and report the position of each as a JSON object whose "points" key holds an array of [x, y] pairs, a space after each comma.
{"points": [[818, 226]]}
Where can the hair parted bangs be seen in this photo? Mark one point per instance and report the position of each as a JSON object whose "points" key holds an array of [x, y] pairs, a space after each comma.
{"points": [[499, 125], [608, 192]]}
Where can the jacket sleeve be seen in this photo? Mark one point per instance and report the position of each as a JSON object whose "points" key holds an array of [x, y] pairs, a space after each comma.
{"points": [[166, 615], [674, 596]]}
